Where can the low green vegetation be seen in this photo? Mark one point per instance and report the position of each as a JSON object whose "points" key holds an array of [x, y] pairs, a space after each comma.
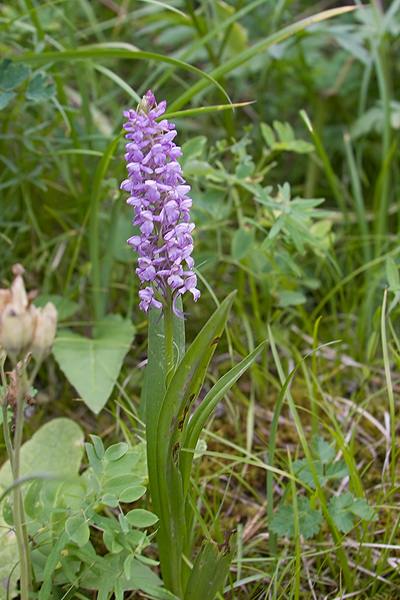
{"points": [[288, 120]]}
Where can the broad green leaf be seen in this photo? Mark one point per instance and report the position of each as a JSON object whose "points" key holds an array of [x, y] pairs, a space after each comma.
{"points": [[236, 36], [9, 559], [245, 168], [268, 134], [210, 569], [92, 365], [127, 566], [110, 500], [276, 227], [119, 484], [71, 495], [8, 514], [309, 520], [303, 471], [124, 523], [131, 494], [192, 149], [116, 451], [98, 446], [3, 67], [45, 452], [5, 98], [338, 509], [126, 464], [298, 146], [94, 482], [78, 530], [337, 470], [118, 590], [95, 462], [108, 539], [32, 501], [345, 508], [141, 518], [290, 298], [362, 509], [40, 88], [112, 565], [12, 75], [159, 593], [285, 131], [197, 168], [322, 449]]}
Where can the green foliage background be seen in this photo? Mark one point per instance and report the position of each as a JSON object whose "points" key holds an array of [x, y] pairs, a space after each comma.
{"points": [[296, 205]]}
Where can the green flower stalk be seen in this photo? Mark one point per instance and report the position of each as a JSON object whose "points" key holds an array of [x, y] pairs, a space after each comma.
{"points": [[25, 331]]}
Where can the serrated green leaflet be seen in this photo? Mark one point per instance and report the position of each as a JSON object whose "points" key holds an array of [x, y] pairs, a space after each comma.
{"points": [[40, 88]]}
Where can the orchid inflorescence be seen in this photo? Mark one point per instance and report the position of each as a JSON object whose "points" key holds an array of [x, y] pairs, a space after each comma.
{"points": [[158, 194]]}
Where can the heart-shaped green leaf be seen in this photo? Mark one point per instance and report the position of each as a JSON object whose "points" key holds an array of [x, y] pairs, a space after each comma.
{"points": [[93, 365]]}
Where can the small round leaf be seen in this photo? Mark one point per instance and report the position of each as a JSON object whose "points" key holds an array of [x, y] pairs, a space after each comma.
{"points": [[141, 518], [78, 530]]}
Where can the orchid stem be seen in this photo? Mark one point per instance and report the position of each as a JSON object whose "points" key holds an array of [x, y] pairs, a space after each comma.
{"points": [[169, 338]]}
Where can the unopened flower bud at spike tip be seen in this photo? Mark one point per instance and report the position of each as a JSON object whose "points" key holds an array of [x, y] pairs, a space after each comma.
{"points": [[45, 331], [16, 328], [158, 195]]}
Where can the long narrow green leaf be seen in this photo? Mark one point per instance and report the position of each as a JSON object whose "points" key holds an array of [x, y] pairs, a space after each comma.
{"points": [[210, 569], [50, 566], [194, 427], [181, 393], [102, 51], [359, 204], [330, 173], [189, 376], [255, 49]]}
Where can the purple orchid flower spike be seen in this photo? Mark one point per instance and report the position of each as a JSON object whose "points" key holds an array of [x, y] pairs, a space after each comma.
{"points": [[158, 194]]}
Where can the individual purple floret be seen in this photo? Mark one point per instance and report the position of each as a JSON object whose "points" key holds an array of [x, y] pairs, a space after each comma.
{"points": [[158, 194]]}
